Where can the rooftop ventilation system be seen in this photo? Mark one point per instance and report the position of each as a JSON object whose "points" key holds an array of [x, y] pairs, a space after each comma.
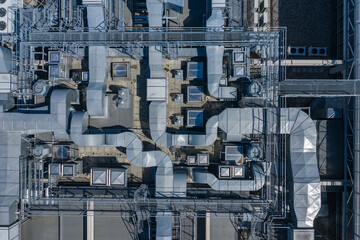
{"points": [[239, 71], [179, 74], [191, 160], [41, 151], [234, 154], [238, 171], [256, 5], [6, 16], [55, 71], [263, 19], [156, 89], [195, 118], [254, 89], [256, 18], [203, 159], [179, 97], [195, 94], [195, 70], [225, 172], [120, 70], [55, 57], [179, 120], [108, 177], [264, 4], [62, 152], [238, 57], [123, 98], [254, 152], [318, 51], [68, 170], [218, 4], [40, 88], [296, 51], [300, 234], [118, 177], [55, 169], [98, 177]]}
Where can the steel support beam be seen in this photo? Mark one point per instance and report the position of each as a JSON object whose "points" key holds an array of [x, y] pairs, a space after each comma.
{"points": [[356, 198], [160, 36], [319, 87]]}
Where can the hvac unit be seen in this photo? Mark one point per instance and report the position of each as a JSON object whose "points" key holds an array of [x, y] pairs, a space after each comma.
{"points": [[113, 177], [203, 159], [123, 98], [318, 51], [296, 51], [6, 25], [256, 18], [225, 172], [264, 4], [121, 70], [256, 5], [238, 171], [68, 170], [263, 19], [191, 160]]}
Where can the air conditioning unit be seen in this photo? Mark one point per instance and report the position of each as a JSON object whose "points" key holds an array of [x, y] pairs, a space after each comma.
{"points": [[264, 4], [256, 18], [263, 19], [6, 25], [296, 51], [318, 51], [256, 5]]}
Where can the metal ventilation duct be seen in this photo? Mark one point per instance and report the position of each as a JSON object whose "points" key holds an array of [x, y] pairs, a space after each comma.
{"points": [[95, 14], [97, 76], [254, 184], [155, 12], [134, 152], [12, 125], [214, 57]]}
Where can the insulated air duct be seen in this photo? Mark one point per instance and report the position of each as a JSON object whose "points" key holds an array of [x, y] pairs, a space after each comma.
{"points": [[254, 184]]}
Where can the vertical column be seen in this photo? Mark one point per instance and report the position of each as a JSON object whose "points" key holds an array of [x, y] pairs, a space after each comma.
{"points": [[356, 197], [90, 221]]}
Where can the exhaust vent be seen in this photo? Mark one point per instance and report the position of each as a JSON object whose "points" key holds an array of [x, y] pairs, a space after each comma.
{"points": [[296, 51], [317, 51]]}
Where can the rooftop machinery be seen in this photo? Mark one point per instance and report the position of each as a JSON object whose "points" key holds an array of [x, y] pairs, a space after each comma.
{"points": [[48, 48]]}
